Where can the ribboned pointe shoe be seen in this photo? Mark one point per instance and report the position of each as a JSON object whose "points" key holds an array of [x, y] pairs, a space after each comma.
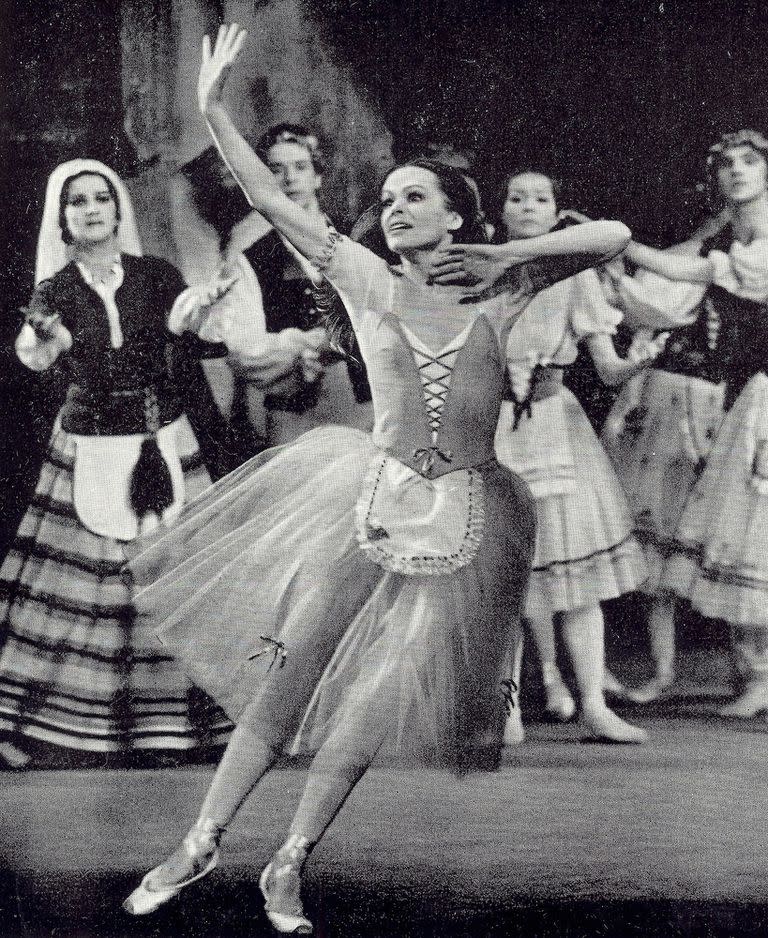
{"points": [[514, 731], [606, 727], [199, 851], [280, 884], [751, 703]]}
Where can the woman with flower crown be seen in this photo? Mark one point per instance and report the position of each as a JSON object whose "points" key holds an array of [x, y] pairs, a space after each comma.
{"points": [[77, 669], [661, 432], [350, 595]]}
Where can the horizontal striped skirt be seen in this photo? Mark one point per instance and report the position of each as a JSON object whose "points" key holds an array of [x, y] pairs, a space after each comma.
{"points": [[78, 667]]}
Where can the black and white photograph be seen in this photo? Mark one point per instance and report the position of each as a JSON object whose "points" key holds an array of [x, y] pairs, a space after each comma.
{"points": [[384, 468]]}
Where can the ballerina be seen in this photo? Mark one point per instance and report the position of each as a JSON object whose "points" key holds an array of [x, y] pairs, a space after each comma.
{"points": [[350, 595]]}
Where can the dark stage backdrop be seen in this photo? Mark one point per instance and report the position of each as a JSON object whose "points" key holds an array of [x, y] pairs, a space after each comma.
{"points": [[622, 97]]}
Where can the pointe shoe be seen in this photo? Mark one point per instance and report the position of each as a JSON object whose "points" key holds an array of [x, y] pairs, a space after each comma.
{"points": [[280, 884], [652, 690], [751, 703], [606, 727], [514, 731], [201, 847]]}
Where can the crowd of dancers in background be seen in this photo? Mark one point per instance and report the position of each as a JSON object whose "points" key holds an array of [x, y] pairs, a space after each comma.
{"points": [[672, 500], [343, 562]]}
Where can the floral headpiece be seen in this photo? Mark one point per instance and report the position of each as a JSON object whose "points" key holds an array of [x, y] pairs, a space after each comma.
{"points": [[739, 138]]}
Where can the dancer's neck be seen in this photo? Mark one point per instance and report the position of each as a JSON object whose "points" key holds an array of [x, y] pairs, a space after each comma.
{"points": [[750, 219]]}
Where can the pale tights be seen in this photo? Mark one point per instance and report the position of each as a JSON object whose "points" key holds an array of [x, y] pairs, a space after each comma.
{"points": [[583, 633]]}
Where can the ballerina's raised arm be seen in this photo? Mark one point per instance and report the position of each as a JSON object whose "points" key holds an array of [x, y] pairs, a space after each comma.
{"points": [[307, 233]]}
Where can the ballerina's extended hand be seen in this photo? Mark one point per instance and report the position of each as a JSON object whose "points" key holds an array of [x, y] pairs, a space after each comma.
{"points": [[215, 65], [478, 265]]}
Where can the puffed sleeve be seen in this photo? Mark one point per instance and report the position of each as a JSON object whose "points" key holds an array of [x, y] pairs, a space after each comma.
{"points": [[650, 301], [237, 318], [743, 271], [360, 277], [591, 313]]}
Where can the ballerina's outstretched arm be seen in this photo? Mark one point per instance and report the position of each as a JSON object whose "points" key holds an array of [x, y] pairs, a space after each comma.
{"points": [[545, 259], [308, 234]]}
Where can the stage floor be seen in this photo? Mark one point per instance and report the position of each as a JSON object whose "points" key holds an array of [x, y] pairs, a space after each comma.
{"points": [[666, 839]]}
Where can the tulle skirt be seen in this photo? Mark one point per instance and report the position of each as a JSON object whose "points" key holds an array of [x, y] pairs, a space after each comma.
{"points": [[658, 435], [263, 593], [720, 562]]}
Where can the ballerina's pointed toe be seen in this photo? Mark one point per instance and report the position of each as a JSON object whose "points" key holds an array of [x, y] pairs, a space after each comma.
{"points": [[290, 919], [144, 899]]}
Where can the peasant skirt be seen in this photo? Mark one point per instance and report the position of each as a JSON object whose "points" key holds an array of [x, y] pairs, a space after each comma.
{"points": [[77, 668], [585, 550], [658, 436], [720, 560], [264, 593]]}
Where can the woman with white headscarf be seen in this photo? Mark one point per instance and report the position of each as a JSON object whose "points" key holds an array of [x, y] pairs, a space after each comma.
{"points": [[77, 667]]}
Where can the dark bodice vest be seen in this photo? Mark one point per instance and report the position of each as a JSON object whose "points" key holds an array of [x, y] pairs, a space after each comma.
{"points": [[291, 302], [110, 387], [715, 347]]}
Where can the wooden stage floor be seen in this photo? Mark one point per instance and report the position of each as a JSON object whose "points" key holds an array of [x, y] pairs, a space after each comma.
{"points": [[666, 839]]}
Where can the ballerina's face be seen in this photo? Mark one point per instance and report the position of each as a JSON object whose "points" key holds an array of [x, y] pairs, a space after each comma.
{"points": [[742, 174], [90, 211], [415, 212], [292, 167], [530, 208]]}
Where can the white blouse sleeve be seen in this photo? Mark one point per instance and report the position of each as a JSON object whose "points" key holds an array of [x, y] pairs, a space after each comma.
{"points": [[591, 313], [360, 277], [650, 301], [237, 318], [743, 271], [38, 350], [38, 354]]}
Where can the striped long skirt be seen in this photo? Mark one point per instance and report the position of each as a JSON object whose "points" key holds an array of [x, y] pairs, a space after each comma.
{"points": [[78, 667]]}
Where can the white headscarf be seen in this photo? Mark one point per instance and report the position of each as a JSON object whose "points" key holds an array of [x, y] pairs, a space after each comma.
{"points": [[52, 252]]}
